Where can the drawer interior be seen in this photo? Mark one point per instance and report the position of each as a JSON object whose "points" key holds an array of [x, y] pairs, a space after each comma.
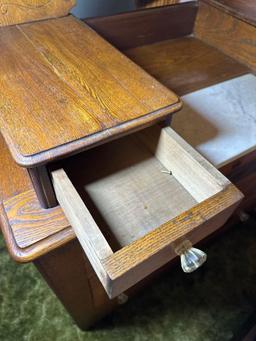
{"points": [[127, 186], [132, 202]]}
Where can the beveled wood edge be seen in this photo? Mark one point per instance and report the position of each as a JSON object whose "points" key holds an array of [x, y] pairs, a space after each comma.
{"points": [[230, 11], [36, 250], [26, 204], [91, 141]]}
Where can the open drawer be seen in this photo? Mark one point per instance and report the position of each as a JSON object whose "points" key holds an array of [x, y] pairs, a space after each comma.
{"points": [[137, 202]]}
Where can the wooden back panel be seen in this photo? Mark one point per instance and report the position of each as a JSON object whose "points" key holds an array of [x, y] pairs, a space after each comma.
{"points": [[157, 3], [142, 27], [21, 11], [228, 33]]}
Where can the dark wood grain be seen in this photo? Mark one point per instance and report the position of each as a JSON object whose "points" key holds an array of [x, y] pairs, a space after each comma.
{"points": [[157, 3], [242, 9], [142, 27], [185, 64], [229, 34], [59, 95], [16, 12], [43, 187]]}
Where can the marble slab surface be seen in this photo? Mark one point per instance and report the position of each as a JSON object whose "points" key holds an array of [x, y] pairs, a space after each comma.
{"points": [[220, 121]]}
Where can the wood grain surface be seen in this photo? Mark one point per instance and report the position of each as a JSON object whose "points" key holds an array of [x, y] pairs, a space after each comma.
{"points": [[157, 3], [137, 260], [13, 179], [20, 11], [25, 210], [136, 28], [216, 199], [185, 64], [69, 274], [34, 250], [63, 88], [227, 33], [242, 9], [129, 196]]}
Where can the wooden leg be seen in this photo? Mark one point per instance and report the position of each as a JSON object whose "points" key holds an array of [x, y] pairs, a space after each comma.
{"points": [[69, 274], [43, 186]]}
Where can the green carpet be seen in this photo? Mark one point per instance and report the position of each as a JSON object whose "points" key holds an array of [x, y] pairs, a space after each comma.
{"points": [[210, 304]]}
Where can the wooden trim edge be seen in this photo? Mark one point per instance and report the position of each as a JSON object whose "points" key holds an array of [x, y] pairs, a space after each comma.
{"points": [[96, 139]]}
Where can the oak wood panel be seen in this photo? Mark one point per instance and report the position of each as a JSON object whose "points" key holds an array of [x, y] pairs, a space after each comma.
{"points": [[242, 9], [25, 210], [67, 94], [34, 250], [234, 37], [13, 179], [20, 11], [142, 27], [186, 64]]}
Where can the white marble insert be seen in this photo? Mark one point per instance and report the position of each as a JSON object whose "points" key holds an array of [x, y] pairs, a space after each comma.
{"points": [[220, 121]]}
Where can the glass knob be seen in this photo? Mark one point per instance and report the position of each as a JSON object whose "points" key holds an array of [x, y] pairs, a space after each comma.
{"points": [[190, 257]]}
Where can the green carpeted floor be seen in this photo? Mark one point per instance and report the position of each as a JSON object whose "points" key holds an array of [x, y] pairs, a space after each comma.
{"points": [[210, 304]]}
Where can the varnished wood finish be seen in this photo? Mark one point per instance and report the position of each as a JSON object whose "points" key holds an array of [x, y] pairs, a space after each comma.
{"points": [[69, 274], [24, 209], [157, 3], [34, 250], [242, 172], [138, 28], [21, 11], [185, 64], [43, 187], [229, 34], [13, 179], [66, 269], [60, 95], [242, 9]]}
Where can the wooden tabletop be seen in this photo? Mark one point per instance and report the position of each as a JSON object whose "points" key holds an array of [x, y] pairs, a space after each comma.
{"points": [[63, 89]]}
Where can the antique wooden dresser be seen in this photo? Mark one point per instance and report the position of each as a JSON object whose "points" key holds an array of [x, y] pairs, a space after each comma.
{"points": [[107, 129]]}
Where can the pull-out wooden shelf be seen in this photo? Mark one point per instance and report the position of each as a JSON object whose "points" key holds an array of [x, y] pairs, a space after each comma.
{"points": [[129, 214]]}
